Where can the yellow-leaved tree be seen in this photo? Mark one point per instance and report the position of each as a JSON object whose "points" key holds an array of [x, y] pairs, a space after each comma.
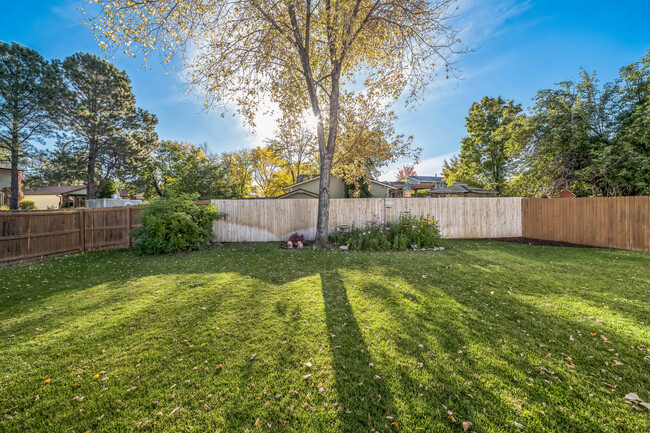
{"points": [[296, 53]]}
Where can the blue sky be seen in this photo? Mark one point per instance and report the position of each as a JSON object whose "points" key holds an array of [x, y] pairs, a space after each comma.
{"points": [[518, 47]]}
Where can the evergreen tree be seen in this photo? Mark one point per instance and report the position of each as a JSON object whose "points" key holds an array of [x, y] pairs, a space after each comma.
{"points": [[29, 89]]}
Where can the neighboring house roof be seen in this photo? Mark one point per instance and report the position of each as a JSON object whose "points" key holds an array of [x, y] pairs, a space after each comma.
{"points": [[298, 192], [462, 188], [318, 176], [7, 166], [54, 190], [419, 179]]}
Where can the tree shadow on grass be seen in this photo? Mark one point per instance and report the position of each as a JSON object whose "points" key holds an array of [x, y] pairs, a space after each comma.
{"points": [[519, 338], [364, 398], [445, 294]]}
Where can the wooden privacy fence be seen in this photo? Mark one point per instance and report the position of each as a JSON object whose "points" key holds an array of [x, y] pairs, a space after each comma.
{"points": [[276, 220], [28, 235], [612, 222], [619, 222]]}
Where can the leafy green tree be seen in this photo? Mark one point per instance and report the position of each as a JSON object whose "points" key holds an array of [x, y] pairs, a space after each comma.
{"points": [[109, 188], [102, 121], [634, 81], [29, 89], [487, 154], [183, 168], [592, 137]]}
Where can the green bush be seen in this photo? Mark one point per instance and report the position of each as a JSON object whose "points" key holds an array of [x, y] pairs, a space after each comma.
{"points": [[407, 232], [174, 224], [3, 208], [27, 205], [108, 189]]}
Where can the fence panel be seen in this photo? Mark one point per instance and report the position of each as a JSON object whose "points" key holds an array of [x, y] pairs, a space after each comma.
{"points": [[29, 235], [617, 222], [276, 220], [612, 222]]}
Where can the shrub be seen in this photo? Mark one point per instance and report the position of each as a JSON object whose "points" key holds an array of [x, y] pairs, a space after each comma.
{"points": [[4, 208], [108, 189], [28, 205], [407, 232], [174, 224]]}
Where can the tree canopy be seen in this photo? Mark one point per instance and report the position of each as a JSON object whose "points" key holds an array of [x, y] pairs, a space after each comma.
{"points": [[183, 168], [297, 53], [101, 121], [592, 137], [29, 90], [486, 151]]}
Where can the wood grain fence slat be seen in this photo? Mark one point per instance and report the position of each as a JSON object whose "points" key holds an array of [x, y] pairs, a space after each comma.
{"points": [[614, 222], [30, 235], [276, 220], [611, 222]]}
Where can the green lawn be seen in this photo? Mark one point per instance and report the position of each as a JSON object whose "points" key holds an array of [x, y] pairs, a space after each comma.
{"points": [[251, 337]]}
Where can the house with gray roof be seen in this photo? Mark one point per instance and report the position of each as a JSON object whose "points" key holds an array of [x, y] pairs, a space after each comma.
{"points": [[55, 197], [460, 189]]}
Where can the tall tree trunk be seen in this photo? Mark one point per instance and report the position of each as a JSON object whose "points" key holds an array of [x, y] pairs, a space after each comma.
{"points": [[327, 156], [91, 188], [15, 181], [322, 223]]}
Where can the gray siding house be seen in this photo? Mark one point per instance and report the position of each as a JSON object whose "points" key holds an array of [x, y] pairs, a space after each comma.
{"points": [[309, 189]]}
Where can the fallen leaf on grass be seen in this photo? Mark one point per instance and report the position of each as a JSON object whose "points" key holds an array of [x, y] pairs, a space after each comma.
{"points": [[467, 425], [47, 380], [633, 399], [174, 411]]}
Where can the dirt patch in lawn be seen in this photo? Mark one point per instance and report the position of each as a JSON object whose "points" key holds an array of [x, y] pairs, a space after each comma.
{"points": [[540, 242]]}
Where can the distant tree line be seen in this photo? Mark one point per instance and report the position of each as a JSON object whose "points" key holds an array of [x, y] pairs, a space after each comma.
{"points": [[593, 138]]}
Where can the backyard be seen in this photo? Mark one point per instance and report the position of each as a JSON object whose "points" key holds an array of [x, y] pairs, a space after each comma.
{"points": [[483, 336]]}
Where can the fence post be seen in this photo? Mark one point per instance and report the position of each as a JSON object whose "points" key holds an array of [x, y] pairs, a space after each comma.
{"points": [[29, 233], [82, 230], [128, 226]]}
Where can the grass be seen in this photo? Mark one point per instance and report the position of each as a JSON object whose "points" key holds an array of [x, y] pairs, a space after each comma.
{"points": [[249, 337]]}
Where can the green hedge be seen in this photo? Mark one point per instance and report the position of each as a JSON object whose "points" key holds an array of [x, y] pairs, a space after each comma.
{"points": [[174, 224]]}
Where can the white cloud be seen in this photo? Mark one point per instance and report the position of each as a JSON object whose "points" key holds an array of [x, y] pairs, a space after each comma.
{"points": [[426, 167]]}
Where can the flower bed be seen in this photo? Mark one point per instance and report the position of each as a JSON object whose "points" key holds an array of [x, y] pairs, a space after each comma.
{"points": [[406, 233]]}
